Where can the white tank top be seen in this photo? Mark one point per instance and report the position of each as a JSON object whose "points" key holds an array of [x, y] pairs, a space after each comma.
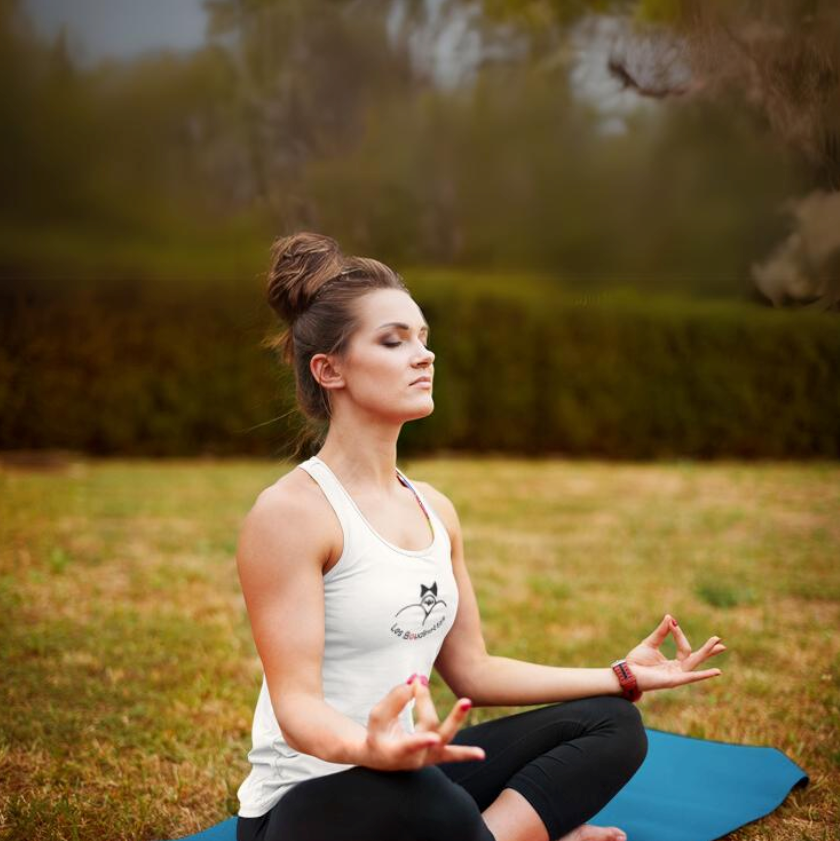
{"points": [[387, 611]]}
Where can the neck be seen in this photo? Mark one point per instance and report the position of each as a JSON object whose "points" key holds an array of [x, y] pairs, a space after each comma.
{"points": [[366, 462]]}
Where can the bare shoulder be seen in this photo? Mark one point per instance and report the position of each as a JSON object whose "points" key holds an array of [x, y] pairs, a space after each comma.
{"points": [[293, 493], [295, 511], [443, 505]]}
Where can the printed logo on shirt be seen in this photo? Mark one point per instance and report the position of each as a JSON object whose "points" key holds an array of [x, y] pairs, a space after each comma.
{"points": [[423, 617]]}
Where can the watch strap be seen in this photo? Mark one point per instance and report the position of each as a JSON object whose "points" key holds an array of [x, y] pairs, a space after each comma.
{"points": [[629, 686]]}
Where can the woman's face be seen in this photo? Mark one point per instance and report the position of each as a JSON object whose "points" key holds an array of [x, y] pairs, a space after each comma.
{"points": [[386, 356]]}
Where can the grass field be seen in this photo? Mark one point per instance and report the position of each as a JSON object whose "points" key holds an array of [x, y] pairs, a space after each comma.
{"points": [[129, 673]]}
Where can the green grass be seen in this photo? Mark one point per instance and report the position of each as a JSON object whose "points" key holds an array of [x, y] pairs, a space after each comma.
{"points": [[129, 673]]}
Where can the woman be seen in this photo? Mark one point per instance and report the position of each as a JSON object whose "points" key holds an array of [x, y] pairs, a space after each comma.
{"points": [[356, 585]]}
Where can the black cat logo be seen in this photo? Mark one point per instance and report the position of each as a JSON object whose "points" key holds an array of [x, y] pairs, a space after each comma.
{"points": [[428, 601]]}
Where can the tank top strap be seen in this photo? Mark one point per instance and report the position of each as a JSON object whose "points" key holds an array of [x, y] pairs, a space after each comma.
{"points": [[336, 497]]}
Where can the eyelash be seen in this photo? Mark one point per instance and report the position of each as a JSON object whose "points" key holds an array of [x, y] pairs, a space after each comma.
{"points": [[397, 344]]}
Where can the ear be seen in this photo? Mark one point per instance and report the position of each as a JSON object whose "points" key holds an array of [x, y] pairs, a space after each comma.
{"points": [[326, 370]]}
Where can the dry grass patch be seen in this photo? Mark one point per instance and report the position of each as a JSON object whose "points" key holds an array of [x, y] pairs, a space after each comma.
{"points": [[130, 674]]}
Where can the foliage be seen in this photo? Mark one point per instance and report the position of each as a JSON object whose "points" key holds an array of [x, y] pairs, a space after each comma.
{"points": [[162, 370], [183, 166]]}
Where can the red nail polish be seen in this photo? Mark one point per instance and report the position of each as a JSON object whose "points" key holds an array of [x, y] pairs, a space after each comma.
{"points": [[411, 678], [423, 679], [676, 624], [465, 704]]}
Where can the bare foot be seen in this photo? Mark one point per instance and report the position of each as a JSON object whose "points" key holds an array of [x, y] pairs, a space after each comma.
{"points": [[590, 832]]}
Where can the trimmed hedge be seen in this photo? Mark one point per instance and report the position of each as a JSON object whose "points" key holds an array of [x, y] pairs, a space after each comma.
{"points": [[146, 370]]}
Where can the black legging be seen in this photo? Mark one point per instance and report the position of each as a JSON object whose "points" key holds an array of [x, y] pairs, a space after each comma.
{"points": [[568, 760]]}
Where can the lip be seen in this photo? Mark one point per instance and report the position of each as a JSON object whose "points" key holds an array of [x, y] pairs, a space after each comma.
{"points": [[423, 380]]}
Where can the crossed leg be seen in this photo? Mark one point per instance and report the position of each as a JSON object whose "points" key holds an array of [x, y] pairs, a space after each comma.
{"points": [[545, 772], [549, 769]]}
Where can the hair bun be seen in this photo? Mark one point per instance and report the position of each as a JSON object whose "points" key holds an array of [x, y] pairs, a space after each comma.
{"points": [[301, 264]]}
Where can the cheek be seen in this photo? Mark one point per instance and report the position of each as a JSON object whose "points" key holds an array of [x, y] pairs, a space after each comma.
{"points": [[379, 367], [390, 361]]}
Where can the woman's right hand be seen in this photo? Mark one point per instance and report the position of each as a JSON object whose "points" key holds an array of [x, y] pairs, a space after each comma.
{"points": [[389, 748]]}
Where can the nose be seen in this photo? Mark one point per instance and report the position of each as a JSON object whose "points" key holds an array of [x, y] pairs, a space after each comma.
{"points": [[428, 357]]}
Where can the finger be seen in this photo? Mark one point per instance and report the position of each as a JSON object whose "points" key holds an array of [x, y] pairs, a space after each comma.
{"points": [[693, 677], [657, 636], [383, 713], [460, 753], [424, 707], [683, 645], [414, 742], [701, 654], [455, 719]]}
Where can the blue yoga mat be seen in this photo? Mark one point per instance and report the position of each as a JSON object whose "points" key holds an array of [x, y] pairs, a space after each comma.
{"points": [[698, 790], [686, 790]]}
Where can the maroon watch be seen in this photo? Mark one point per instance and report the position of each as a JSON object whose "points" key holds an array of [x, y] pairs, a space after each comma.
{"points": [[629, 688]]}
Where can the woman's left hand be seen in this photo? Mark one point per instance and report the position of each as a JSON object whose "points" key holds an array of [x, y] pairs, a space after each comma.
{"points": [[654, 671]]}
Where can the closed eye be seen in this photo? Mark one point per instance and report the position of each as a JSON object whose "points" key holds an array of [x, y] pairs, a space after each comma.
{"points": [[397, 344]]}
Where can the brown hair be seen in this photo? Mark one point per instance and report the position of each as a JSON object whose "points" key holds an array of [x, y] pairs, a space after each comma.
{"points": [[313, 287]]}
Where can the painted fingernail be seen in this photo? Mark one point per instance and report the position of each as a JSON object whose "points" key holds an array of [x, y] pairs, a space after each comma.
{"points": [[674, 622], [423, 679], [411, 678], [465, 704]]}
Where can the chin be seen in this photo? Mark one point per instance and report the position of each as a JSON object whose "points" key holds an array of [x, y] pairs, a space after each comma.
{"points": [[423, 411]]}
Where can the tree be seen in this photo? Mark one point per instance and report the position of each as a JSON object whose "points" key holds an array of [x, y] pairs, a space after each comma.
{"points": [[781, 58]]}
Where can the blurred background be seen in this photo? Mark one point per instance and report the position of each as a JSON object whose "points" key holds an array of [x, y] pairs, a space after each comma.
{"points": [[622, 222], [640, 197]]}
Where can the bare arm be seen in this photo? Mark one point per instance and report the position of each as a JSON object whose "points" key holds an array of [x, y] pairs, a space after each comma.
{"points": [[465, 665], [279, 558], [467, 668], [510, 682]]}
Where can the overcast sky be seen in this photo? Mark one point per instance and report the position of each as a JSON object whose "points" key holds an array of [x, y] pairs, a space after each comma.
{"points": [[99, 29], [120, 28]]}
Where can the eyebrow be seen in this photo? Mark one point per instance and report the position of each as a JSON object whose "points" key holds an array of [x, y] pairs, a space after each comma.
{"points": [[403, 326]]}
